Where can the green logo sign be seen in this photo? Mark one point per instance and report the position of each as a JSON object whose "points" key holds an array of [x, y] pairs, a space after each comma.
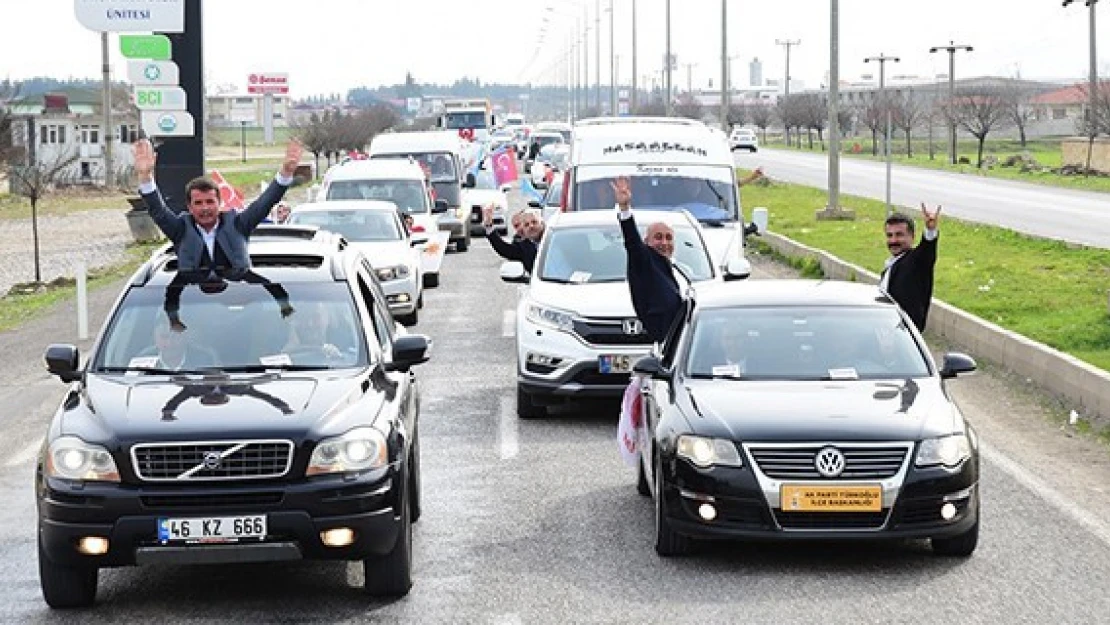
{"points": [[155, 47]]}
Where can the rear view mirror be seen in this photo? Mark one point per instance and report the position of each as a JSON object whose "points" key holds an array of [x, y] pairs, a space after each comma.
{"points": [[737, 269], [652, 367], [62, 361], [759, 218], [469, 182], [956, 363], [408, 350], [513, 271]]}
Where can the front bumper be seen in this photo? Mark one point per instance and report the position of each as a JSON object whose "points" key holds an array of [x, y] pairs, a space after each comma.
{"points": [[453, 225], [127, 515], [402, 294], [576, 372]]}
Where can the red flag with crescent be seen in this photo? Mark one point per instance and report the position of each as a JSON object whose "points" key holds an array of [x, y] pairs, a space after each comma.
{"points": [[230, 198]]}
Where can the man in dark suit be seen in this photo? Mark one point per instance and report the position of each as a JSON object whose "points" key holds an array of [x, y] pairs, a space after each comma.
{"points": [[908, 275], [656, 296], [208, 238], [523, 249]]}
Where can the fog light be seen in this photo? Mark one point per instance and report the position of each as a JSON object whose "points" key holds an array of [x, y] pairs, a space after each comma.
{"points": [[948, 512], [707, 511], [93, 546], [543, 360], [338, 537]]}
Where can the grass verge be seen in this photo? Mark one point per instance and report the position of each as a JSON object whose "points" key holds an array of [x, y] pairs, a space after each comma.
{"points": [[18, 308], [63, 203], [1049, 291]]}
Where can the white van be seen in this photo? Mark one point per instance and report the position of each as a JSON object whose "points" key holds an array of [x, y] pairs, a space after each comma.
{"points": [[673, 163]]}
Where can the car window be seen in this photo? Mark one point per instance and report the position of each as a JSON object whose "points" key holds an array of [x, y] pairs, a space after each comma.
{"points": [[597, 254], [439, 165], [704, 198], [804, 343], [225, 325], [408, 195], [360, 226], [383, 327]]}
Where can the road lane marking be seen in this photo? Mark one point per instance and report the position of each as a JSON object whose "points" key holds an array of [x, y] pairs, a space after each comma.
{"points": [[26, 455], [508, 323], [508, 430], [1040, 488]]}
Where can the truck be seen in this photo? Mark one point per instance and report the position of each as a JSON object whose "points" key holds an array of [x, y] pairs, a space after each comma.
{"points": [[468, 114]]}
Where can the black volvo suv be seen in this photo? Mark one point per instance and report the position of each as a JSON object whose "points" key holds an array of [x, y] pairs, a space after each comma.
{"points": [[257, 417]]}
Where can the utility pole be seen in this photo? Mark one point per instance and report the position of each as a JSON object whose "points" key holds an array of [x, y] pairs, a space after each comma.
{"points": [[788, 43], [834, 106], [634, 102], [107, 134], [667, 87], [690, 77], [612, 62], [597, 51], [1092, 117], [726, 84], [951, 49], [882, 61]]}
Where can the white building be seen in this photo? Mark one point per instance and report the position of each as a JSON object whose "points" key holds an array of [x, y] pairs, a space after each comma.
{"points": [[220, 109]]}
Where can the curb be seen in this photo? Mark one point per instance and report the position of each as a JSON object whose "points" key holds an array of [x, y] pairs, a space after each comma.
{"points": [[1085, 386]]}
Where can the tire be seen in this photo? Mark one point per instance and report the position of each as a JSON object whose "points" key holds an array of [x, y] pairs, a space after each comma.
{"points": [[668, 543], [431, 280], [66, 586], [391, 575], [642, 485], [420, 300], [959, 546], [414, 481], [410, 319], [526, 408], [462, 244]]}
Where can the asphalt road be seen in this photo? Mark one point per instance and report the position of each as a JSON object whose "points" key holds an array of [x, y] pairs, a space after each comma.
{"points": [[539, 521], [1052, 212]]}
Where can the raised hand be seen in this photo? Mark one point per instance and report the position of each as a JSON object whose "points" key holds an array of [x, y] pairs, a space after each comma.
{"points": [[145, 158], [931, 217], [293, 153], [622, 191], [487, 215]]}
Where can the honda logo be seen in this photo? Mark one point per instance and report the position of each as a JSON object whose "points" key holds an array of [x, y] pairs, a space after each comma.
{"points": [[829, 462], [632, 327]]}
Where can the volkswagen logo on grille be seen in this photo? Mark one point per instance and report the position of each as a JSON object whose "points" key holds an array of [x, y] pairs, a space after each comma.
{"points": [[212, 460], [829, 462], [632, 327]]}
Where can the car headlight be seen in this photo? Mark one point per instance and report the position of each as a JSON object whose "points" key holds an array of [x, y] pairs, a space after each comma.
{"points": [[558, 319], [385, 274], [73, 459], [948, 451], [358, 450], [706, 452]]}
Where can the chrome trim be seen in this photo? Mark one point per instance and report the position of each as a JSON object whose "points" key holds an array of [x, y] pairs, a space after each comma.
{"points": [[959, 495], [233, 446], [696, 496], [771, 487]]}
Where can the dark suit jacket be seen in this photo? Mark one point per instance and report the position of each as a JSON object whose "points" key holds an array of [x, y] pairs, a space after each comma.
{"points": [[523, 250], [656, 297], [911, 280], [232, 232]]}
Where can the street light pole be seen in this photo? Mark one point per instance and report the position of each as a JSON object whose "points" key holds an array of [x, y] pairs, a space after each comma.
{"points": [[612, 62], [597, 53], [668, 105], [834, 105], [882, 60], [634, 103], [786, 88], [1092, 104], [725, 83], [951, 49]]}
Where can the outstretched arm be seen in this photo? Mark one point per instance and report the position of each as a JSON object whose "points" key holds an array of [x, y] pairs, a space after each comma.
{"points": [[633, 244], [145, 159]]}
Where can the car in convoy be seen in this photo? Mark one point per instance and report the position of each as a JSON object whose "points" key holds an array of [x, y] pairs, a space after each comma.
{"points": [[440, 153], [260, 417], [375, 228], [743, 139], [577, 334], [805, 410], [550, 162], [404, 183], [672, 163], [549, 202], [536, 142], [563, 128], [486, 192]]}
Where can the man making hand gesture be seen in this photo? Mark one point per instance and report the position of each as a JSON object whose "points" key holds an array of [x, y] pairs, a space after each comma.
{"points": [[206, 238], [523, 250], [908, 275]]}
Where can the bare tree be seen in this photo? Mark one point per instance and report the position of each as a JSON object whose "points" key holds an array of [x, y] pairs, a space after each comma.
{"points": [[689, 108], [312, 133], [8, 92], [789, 112], [762, 114], [1016, 101], [33, 181], [873, 115], [906, 114], [737, 114], [813, 114], [979, 111]]}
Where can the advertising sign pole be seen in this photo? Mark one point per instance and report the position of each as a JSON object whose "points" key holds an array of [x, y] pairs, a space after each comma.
{"points": [[180, 159]]}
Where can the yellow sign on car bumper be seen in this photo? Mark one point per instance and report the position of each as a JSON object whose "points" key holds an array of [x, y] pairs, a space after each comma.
{"points": [[831, 498]]}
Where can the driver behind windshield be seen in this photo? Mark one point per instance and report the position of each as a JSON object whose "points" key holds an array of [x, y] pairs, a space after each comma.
{"points": [[308, 339]]}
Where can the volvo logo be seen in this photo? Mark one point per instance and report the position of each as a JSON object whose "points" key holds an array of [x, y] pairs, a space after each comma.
{"points": [[632, 327], [829, 462], [212, 460]]}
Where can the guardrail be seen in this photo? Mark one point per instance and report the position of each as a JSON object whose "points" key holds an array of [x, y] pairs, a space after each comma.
{"points": [[1085, 387]]}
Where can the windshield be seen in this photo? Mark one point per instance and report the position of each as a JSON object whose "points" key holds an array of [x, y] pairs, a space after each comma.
{"points": [[408, 195], [708, 193], [554, 194], [358, 226], [456, 121], [439, 165], [597, 254], [233, 325], [804, 343], [544, 140]]}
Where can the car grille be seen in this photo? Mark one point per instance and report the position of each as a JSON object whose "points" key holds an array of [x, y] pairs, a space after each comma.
{"points": [[215, 460], [608, 332], [831, 520], [860, 462], [592, 377], [204, 502]]}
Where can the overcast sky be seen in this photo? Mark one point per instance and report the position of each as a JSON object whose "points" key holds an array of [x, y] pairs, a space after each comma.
{"points": [[333, 45]]}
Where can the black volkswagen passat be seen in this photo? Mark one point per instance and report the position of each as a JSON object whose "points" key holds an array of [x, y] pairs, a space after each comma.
{"points": [[794, 409]]}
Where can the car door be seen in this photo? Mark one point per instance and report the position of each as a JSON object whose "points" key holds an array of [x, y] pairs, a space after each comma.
{"points": [[399, 384], [658, 397]]}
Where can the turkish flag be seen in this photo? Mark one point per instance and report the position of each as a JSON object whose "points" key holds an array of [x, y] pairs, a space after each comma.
{"points": [[230, 198], [504, 166]]}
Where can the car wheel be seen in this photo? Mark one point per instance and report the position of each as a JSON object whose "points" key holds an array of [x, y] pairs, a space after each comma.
{"points": [[960, 545], [391, 575], [66, 586], [431, 280], [410, 319], [462, 244], [414, 481], [420, 299], [642, 485], [667, 542], [526, 408]]}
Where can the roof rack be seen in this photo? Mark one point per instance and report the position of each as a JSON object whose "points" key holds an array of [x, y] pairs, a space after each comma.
{"points": [[302, 232]]}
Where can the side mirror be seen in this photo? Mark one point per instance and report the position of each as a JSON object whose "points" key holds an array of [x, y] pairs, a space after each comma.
{"points": [[759, 218], [441, 206], [513, 271], [469, 182], [737, 269], [408, 350], [62, 361], [956, 363], [535, 204], [651, 366]]}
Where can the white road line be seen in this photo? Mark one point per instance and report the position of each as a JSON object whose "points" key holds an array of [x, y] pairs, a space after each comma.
{"points": [[508, 430], [1064, 505], [29, 453], [508, 323]]}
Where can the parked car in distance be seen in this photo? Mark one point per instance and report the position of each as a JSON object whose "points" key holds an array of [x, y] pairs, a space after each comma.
{"points": [[743, 139]]}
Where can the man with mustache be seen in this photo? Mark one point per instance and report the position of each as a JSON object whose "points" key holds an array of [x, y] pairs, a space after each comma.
{"points": [[908, 275]]}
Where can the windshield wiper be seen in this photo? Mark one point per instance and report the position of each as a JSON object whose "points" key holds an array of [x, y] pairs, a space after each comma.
{"points": [[713, 223], [158, 371], [281, 367]]}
